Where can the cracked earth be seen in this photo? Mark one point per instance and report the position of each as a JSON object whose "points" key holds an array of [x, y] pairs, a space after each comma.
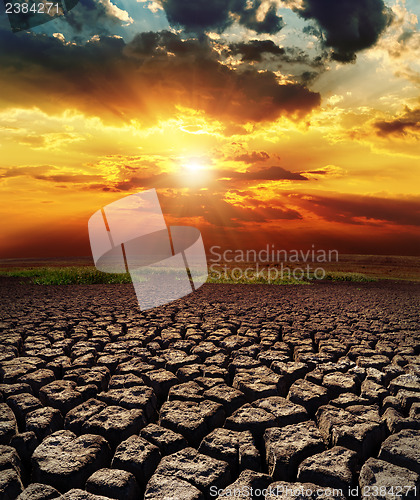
{"points": [[247, 390]]}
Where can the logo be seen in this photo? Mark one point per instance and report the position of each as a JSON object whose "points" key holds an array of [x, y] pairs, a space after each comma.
{"points": [[131, 235]]}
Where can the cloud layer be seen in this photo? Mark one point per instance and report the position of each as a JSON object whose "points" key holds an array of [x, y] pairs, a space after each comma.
{"points": [[217, 15], [149, 76]]}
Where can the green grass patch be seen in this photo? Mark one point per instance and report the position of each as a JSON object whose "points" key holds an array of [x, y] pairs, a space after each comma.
{"points": [[89, 275], [251, 278], [83, 275], [355, 277]]}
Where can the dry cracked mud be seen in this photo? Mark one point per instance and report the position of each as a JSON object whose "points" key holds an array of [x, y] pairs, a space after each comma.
{"points": [[257, 392]]}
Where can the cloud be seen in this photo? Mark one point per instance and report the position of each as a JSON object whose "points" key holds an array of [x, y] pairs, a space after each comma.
{"points": [[255, 49], [217, 15], [69, 178], [252, 157], [49, 173], [213, 209], [362, 210], [273, 173], [30, 171], [214, 179], [146, 78], [348, 26], [270, 23], [266, 55], [92, 17], [267, 51], [407, 122]]}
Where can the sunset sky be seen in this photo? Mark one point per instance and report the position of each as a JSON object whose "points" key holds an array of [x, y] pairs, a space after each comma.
{"points": [[293, 122]]}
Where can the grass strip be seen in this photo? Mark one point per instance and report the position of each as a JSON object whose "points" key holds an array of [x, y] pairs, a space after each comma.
{"points": [[89, 275]]}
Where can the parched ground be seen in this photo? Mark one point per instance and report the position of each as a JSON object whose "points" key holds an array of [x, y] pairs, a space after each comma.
{"points": [[244, 391]]}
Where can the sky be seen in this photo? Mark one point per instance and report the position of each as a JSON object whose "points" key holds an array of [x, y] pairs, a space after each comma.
{"points": [[284, 122]]}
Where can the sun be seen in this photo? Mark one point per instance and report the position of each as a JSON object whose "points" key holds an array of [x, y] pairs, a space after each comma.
{"points": [[194, 166], [195, 171]]}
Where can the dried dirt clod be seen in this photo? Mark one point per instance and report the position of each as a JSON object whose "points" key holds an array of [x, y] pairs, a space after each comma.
{"points": [[38, 379], [75, 418], [333, 468], [236, 448], [10, 484], [9, 459], [115, 424], [409, 382], [137, 456], [79, 494], [64, 461], [201, 471], [282, 490], [61, 394], [310, 396], [166, 440], [402, 449], [247, 482], [44, 421], [250, 418], [161, 486], [138, 397], [378, 474], [288, 446], [25, 444], [8, 426], [113, 483], [340, 427], [191, 419], [22, 404], [338, 383], [38, 491]]}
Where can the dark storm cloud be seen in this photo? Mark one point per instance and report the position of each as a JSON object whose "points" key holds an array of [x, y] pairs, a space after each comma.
{"points": [[255, 49], [203, 15], [265, 54], [348, 26], [409, 121], [155, 44], [271, 23], [29, 51], [106, 76], [198, 15]]}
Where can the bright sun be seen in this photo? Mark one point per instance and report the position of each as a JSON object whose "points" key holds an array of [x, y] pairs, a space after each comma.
{"points": [[194, 166]]}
